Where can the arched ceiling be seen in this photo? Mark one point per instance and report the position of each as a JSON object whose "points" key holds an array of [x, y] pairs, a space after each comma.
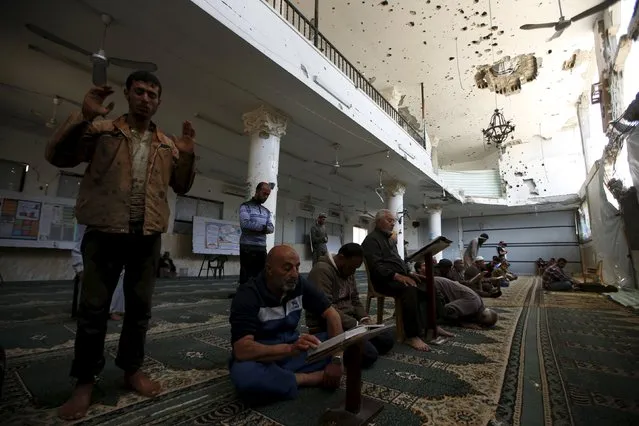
{"points": [[403, 43]]}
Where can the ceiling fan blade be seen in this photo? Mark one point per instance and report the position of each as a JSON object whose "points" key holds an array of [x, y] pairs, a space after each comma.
{"points": [[342, 176], [595, 9], [538, 26], [136, 65], [370, 154], [321, 163], [351, 166], [99, 74], [557, 34], [54, 38]]}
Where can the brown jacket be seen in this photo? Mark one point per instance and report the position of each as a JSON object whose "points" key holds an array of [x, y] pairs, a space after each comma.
{"points": [[341, 292], [105, 191]]}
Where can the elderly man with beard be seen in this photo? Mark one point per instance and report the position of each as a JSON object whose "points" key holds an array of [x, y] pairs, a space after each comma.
{"points": [[390, 276], [269, 355]]}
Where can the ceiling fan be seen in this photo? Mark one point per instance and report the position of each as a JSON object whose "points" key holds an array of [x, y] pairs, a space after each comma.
{"points": [[337, 164], [99, 59], [341, 206], [365, 212], [57, 100], [564, 23]]}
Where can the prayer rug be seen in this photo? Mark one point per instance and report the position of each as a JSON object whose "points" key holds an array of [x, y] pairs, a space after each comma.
{"points": [[457, 383]]}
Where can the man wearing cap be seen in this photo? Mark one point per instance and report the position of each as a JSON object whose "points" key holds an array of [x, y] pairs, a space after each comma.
{"points": [[319, 238], [473, 247]]}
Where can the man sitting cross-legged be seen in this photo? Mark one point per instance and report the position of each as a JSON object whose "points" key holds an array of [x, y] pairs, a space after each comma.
{"points": [[463, 305], [269, 355], [335, 276], [390, 277]]}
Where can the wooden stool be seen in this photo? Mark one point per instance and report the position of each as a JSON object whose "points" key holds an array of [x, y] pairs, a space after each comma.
{"points": [[399, 317]]}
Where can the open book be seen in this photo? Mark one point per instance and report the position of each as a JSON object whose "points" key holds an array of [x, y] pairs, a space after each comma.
{"points": [[334, 343], [437, 245]]}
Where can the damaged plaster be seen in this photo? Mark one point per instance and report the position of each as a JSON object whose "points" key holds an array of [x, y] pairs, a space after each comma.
{"points": [[508, 74], [542, 168]]}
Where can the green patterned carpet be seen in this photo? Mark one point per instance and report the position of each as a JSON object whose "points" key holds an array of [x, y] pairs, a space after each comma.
{"points": [[458, 383]]}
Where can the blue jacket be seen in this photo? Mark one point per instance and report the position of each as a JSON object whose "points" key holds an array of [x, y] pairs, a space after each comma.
{"points": [[270, 320], [253, 218]]}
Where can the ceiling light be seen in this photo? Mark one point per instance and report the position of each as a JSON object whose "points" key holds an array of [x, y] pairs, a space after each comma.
{"points": [[499, 129]]}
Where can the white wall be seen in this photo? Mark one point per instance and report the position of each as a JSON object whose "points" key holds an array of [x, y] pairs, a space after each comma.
{"points": [[530, 236], [48, 264], [555, 166]]}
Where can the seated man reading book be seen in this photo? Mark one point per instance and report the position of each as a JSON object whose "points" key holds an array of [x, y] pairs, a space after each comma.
{"points": [[335, 276], [269, 355], [390, 276]]}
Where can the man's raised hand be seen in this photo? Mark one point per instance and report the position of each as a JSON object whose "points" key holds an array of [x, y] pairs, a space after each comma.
{"points": [[92, 105], [186, 143]]}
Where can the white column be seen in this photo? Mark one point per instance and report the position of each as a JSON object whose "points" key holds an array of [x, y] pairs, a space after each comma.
{"points": [[265, 126], [435, 226], [395, 203]]}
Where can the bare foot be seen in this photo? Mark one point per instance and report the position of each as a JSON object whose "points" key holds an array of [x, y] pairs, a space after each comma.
{"points": [[77, 405], [309, 379], [444, 333], [142, 384], [417, 344]]}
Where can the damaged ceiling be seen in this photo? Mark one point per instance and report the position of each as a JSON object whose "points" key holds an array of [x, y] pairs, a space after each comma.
{"points": [[464, 52]]}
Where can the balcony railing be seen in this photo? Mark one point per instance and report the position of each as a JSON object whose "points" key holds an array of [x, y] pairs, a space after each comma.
{"points": [[307, 29]]}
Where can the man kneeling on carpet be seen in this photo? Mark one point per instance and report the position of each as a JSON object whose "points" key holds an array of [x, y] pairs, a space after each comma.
{"points": [[463, 305], [335, 276], [269, 355]]}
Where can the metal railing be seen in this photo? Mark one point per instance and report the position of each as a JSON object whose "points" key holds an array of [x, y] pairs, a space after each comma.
{"points": [[306, 28]]}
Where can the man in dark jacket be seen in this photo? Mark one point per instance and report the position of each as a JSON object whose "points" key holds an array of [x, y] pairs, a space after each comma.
{"points": [[390, 276], [335, 276]]}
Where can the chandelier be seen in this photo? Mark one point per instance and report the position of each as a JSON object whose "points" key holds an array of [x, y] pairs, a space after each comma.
{"points": [[498, 130]]}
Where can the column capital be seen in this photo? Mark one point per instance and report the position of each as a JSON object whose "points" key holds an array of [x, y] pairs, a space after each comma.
{"points": [[434, 209], [394, 188], [266, 120]]}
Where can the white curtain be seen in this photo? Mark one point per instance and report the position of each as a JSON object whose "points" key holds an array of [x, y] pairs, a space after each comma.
{"points": [[608, 234], [632, 144]]}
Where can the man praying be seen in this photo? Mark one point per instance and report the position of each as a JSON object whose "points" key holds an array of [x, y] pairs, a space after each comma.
{"points": [[269, 355], [473, 248], [390, 277], [463, 306], [335, 277]]}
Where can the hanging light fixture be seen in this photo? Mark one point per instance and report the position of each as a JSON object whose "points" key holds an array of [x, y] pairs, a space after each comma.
{"points": [[499, 129]]}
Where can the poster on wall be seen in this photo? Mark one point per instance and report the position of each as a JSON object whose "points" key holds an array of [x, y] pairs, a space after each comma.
{"points": [[212, 236], [43, 222], [19, 220]]}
